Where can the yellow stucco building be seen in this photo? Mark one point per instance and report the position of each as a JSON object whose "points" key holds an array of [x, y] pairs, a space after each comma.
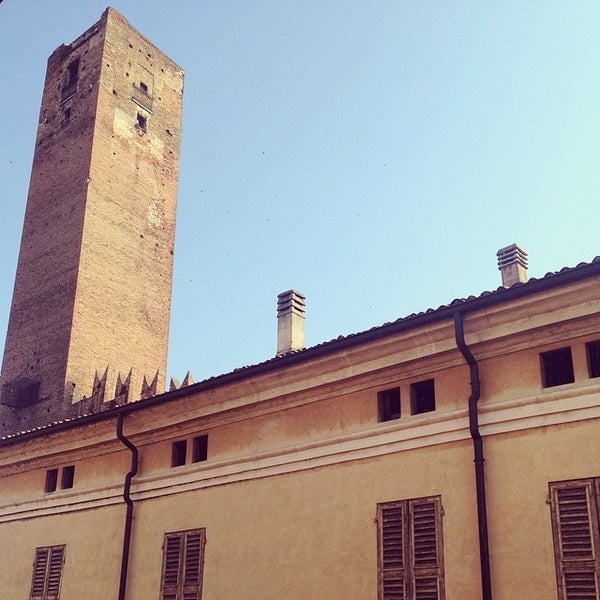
{"points": [[451, 454]]}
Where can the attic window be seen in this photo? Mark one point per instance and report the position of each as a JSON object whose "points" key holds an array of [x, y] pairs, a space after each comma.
{"points": [[593, 355], [178, 453], [67, 477], [200, 449], [557, 367], [388, 404], [422, 397], [51, 480]]}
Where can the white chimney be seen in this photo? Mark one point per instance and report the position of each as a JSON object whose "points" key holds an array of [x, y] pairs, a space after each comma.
{"points": [[512, 262], [290, 322]]}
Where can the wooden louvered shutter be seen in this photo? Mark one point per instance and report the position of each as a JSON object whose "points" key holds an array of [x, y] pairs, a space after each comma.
{"points": [[183, 560], [426, 549], [575, 531], [47, 571], [193, 564], [392, 550]]}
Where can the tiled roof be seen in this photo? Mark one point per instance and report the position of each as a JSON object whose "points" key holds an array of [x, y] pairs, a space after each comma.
{"points": [[551, 279]]}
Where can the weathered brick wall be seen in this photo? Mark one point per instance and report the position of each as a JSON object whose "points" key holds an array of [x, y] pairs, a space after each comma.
{"points": [[93, 284]]}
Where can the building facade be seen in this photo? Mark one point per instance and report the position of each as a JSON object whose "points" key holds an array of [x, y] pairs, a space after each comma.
{"points": [[451, 454]]}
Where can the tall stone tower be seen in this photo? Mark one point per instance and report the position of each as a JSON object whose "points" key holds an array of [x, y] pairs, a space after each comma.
{"points": [[90, 313]]}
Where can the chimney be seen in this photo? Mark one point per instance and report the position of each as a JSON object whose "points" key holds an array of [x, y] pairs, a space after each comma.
{"points": [[512, 262], [290, 322]]}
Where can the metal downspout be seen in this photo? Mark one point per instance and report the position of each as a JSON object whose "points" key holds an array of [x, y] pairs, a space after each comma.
{"points": [[484, 550], [129, 502]]}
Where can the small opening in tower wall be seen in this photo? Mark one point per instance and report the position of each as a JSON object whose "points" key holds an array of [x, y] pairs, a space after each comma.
{"points": [[143, 87], [142, 122], [178, 453], [72, 74]]}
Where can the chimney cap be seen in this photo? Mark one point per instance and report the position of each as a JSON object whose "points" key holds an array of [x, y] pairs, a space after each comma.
{"points": [[512, 263]]}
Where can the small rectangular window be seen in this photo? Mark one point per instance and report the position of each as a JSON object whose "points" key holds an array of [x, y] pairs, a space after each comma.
{"points": [[67, 478], [422, 397], [178, 453], [142, 122], [388, 403], [51, 480], [200, 449], [557, 367], [144, 87], [72, 74], [593, 356]]}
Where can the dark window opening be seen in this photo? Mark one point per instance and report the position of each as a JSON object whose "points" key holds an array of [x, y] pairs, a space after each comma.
{"points": [[68, 475], [67, 114], [593, 356], [557, 367], [200, 449], [142, 122], [51, 480], [422, 397], [144, 87], [178, 453], [72, 74], [388, 403]]}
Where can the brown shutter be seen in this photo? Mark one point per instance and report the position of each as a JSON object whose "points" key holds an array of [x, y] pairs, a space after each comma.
{"points": [[57, 555], [575, 530], [183, 560], [47, 571], [172, 552], [193, 563], [426, 551], [40, 567], [392, 551]]}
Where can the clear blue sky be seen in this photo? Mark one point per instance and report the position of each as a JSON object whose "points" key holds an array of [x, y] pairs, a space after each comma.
{"points": [[372, 154]]}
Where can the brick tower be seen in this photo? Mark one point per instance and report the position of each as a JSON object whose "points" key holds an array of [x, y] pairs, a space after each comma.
{"points": [[89, 318]]}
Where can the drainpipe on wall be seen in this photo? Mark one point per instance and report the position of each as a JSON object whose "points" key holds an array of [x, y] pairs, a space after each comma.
{"points": [[484, 550], [129, 502]]}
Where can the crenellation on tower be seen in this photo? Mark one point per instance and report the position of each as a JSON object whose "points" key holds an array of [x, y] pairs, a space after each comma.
{"points": [[93, 282]]}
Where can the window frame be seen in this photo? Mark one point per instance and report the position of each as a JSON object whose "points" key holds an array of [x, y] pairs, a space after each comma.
{"points": [[46, 579], [410, 564], [182, 576], [386, 401], [418, 404], [555, 369], [592, 352]]}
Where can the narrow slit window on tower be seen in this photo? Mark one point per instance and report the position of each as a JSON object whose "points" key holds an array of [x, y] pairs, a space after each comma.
{"points": [[72, 74], [388, 404], [142, 122], [144, 87], [557, 367], [593, 356], [67, 114], [422, 397], [178, 453], [51, 480], [200, 449]]}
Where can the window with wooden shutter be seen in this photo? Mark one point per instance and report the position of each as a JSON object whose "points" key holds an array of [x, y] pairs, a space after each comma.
{"points": [[47, 572], [410, 549], [574, 506], [183, 561]]}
